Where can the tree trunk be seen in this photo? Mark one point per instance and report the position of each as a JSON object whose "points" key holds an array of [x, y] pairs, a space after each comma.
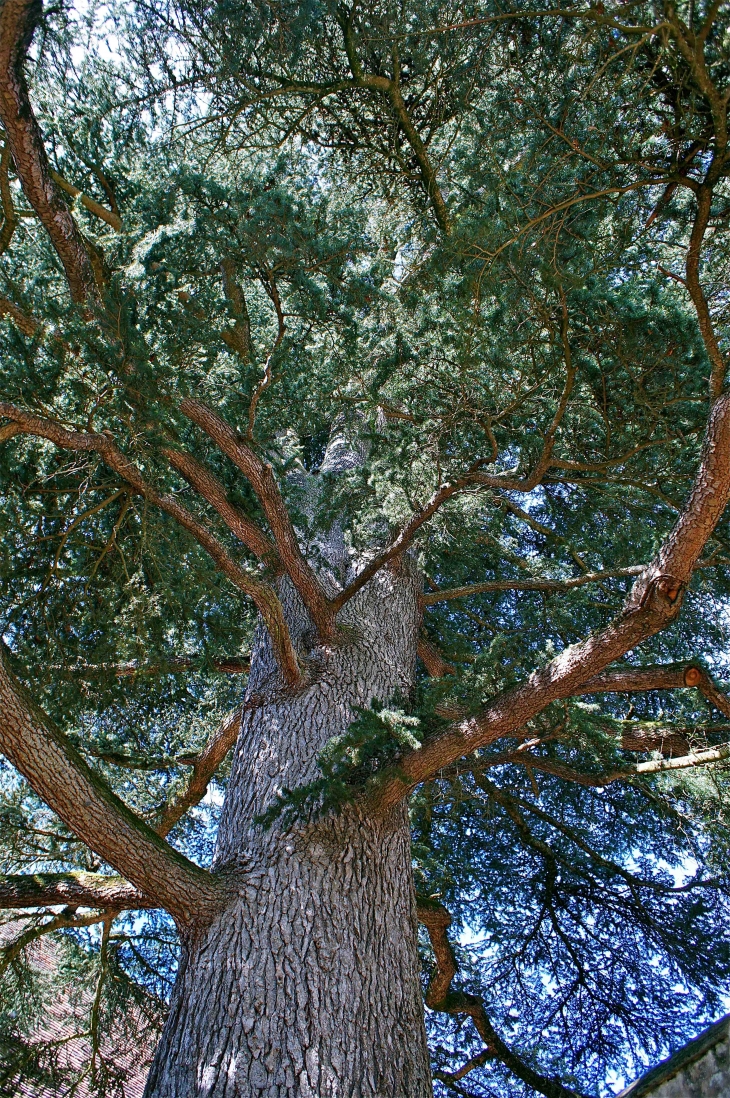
{"points": [[308, 985]]}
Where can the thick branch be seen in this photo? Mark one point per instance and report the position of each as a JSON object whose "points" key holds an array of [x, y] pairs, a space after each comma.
{"points": [[72, 889], [661, 677], [18, 20], [439, 996], [212, 490], [61, 777], [432, 659], [262, 594], [261, 478], [653, 603]]}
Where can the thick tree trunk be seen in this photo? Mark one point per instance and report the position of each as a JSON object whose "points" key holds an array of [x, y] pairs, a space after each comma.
{"points": [[308, 985]]}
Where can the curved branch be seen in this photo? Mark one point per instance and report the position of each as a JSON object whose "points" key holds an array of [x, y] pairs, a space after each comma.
{"points": [[18, 21], [261, 593], [261, 478], [440, 997], [203, 481], [61, 777], [655, 601], [204, 767]]}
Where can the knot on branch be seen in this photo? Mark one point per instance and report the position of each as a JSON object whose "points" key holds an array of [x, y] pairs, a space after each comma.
{"points": [[662, 595]]}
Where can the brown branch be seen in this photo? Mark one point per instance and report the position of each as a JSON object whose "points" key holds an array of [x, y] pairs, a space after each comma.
{"points": [[403, 539], [432, 659], [261, 478], [71, 889], [262, 594], [391, 90], [272, 290], [204, 767], [203, 481], [25, 323], [549, 586], [661, 677], [472, 478], [238, 338], [697, 293], [89, 204], [10, 220], [18, 21], [654, 602], [440, 997], [639, 738], [62, 778]]}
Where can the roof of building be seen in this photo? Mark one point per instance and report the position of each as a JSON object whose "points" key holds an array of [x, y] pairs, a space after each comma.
{"points": [[61, 1022], [681, 1059]]}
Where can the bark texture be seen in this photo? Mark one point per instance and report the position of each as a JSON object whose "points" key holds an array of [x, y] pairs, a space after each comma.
{"points": [[308, 985]]}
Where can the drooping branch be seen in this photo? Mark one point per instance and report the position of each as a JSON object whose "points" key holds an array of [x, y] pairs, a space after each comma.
{"points": [[260, 475], [262, 594], [654, 601], [18, 21], [440, 997], [61, 777]]}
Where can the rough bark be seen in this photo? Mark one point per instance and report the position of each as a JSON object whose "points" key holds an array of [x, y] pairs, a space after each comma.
{"points": [[308, 984], [58, 774], [18, 21]]}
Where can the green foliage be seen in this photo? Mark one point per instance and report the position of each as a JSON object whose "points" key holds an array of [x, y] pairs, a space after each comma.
{"points": [[348, 763], [233, 133]]}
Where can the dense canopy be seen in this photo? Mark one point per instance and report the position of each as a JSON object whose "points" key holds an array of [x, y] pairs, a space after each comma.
{"points": [[485, 248]]}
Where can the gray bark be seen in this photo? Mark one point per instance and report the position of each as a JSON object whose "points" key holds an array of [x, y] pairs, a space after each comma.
{"points": [[308, 985]]}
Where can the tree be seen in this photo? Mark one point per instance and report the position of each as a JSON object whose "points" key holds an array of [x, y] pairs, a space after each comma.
{"points": [[387, 367]]}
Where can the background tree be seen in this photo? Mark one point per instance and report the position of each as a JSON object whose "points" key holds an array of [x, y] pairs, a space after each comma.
{"points": [[377, 354]]}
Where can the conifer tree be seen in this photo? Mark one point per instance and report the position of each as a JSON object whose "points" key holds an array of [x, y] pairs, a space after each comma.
{"points": [[364, 460]]}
